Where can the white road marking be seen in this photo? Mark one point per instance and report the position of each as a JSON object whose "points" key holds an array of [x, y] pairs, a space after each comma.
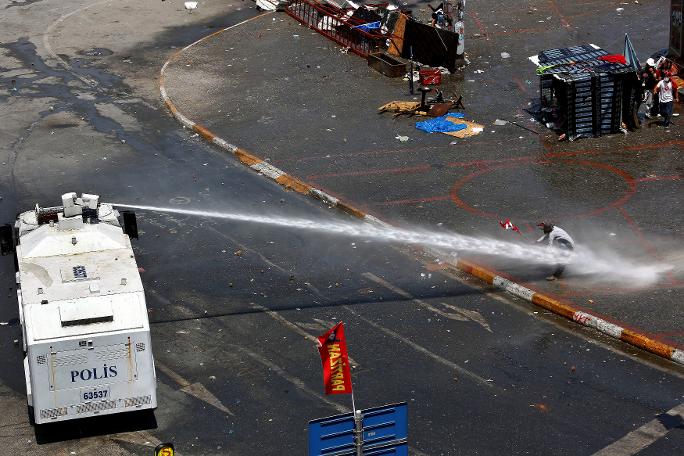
{"points": [[170, 373], [142, 438], [292, 379], [294, 327], [53, 54], [320, 326], [469, 315], [285, 322], [458, 315], [644, 436], [196, 390], [199, 391], [423, 350]]}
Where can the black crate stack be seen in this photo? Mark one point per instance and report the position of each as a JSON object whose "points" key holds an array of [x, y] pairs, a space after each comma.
{"points": [[588, 91]]}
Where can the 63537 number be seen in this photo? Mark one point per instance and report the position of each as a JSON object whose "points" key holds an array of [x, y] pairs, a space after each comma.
{"points": [[97, 394]]}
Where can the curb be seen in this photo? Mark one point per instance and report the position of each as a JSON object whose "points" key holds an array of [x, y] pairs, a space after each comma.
{"points": [[558, 307]]}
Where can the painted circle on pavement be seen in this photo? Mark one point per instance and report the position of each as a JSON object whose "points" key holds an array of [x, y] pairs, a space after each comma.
{"points": [[522, 189]]}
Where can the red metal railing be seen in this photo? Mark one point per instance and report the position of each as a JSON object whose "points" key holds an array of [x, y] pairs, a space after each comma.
{"points": [[337, 25]]}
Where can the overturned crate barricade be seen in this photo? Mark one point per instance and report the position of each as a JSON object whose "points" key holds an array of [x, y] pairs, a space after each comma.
{"points": [[355, 29], [586, 91]]}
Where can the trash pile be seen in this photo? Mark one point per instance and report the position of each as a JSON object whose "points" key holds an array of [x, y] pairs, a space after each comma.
{"points": [[386, 32], [394, 42], [439, 108]]}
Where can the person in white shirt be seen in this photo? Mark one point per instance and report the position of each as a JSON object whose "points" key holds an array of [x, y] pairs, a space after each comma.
{"points": [[667, 91], [556, 238]]}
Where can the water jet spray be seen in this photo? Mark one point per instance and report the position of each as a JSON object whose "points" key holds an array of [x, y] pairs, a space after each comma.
{"points": [[613, 268]]}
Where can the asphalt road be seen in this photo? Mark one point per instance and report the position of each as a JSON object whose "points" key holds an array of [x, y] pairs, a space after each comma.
{"points": [[234, 307], [289, 96]]}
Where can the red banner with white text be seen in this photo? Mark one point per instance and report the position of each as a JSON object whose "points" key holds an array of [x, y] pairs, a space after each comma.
{"points": [[333, 349]]}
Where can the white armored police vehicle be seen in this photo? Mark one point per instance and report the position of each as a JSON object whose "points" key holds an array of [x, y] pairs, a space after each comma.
{"points": [[82, 311]]}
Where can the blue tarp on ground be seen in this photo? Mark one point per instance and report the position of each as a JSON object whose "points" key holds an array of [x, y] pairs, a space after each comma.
{"points": [[368, 27], [441, 124]]}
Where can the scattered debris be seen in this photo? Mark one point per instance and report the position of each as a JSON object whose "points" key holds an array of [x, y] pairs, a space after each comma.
{"points": [[190, 6], [505, 55], [386, 64], [471, 129], [430, 76], [267, 5], [434, 107], [416, 76], [443, 124], [402, 138], [402, 107], [500, 122], [541, 407], [478, 71]]}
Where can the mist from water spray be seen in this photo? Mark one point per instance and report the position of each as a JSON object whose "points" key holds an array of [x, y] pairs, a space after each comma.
{"points": [[613, 267]]}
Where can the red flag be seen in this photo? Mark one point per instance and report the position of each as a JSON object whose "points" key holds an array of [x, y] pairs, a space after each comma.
{"points": [[508, 225], [333, 349]]}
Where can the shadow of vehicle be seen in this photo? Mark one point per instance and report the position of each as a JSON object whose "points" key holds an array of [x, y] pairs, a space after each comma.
{"points": [[95, 426]]}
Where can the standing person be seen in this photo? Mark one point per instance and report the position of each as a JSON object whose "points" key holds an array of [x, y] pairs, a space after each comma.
{"points": [[667, 92], [650, 77], [556, 238]]}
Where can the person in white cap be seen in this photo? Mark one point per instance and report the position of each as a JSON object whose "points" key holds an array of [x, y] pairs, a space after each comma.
{"points": [[650, 77]]}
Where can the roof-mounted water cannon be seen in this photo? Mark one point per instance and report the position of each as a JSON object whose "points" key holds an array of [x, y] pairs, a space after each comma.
{"points": [[90, 201], [75, 214], [73, 211], [72, 205]]}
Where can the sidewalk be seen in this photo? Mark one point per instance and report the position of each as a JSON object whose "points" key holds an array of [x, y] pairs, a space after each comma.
{"points": [[290, 96]]}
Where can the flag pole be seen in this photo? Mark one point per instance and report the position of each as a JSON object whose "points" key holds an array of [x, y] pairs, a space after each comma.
{"points": [[353, 405], [358, 427], [358, 421]]}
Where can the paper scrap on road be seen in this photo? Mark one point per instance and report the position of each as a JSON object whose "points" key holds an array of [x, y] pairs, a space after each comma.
{"points": [[471, 130]]}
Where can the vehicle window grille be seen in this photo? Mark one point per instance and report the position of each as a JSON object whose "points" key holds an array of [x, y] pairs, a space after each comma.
{"points": [[69, 359], [40, 359], [95, 406], [137, 401], [111, 353], [140, 347], [47, 414]]}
